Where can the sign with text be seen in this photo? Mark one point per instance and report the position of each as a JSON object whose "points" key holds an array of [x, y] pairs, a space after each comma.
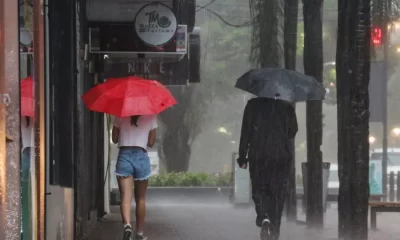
{"points": [[168, 73], [155, 24]]}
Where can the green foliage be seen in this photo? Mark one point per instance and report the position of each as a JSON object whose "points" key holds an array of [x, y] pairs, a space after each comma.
{"points": [[182, 179], [330, 84], [327, 36], [224, 57], [300, 39]]}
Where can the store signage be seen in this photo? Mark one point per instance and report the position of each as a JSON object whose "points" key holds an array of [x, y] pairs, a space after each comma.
{"points": [[25, 40], [168, 73], [128, 67], [156, 24]]}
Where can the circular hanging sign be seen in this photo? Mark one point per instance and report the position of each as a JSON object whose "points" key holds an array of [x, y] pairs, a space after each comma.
{"points": [[155, 24], [25, 37]]}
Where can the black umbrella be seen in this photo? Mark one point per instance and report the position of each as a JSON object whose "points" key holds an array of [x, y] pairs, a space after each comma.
{"points": [[281, 84]]}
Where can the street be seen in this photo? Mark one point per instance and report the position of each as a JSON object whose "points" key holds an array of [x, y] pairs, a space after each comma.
{"points": [[223, 222]]}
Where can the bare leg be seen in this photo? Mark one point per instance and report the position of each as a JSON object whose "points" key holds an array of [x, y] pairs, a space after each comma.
{"points": [[140, 199], [125, 187]]}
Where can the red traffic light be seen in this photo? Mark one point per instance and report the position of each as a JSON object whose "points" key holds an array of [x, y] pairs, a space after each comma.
{"points": [[376, 36]]}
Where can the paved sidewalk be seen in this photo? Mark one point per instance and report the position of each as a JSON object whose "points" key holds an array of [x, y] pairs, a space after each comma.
{"points": [[223, 222]]}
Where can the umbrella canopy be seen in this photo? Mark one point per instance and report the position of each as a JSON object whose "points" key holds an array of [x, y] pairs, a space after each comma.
{"points": [[281, 84], [130, 96], [27, 98]]}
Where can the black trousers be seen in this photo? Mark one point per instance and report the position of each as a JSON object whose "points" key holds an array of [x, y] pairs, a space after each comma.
{"points": [[269, 190]]}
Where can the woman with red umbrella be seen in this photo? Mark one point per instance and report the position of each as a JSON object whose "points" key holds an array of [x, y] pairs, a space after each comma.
{"points": [[135, 102], [27, 123], [133, 135]]}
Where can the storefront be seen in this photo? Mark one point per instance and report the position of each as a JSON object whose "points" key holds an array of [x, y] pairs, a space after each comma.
{"points": [[53, 164], [22, 173]]}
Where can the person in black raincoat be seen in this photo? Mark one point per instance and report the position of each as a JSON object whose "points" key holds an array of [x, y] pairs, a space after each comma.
{"points": [[267, 129]]}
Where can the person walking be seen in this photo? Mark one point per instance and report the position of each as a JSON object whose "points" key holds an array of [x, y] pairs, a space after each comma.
{"points": [[26, 183], [133, 135], [267, 129]]}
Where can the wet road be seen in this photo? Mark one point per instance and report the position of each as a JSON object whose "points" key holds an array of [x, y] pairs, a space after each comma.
{"points": [[223, 222]]}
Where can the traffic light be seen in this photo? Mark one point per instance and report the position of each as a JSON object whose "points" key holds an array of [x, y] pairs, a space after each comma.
{"points": [[376, 36]]}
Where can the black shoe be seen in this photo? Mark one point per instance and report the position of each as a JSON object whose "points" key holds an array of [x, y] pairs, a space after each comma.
{"points": [[265, 233], [259, 220], [140, 237], [127, 232]]}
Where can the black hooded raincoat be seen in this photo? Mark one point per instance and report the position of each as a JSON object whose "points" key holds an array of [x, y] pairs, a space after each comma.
{"points": [[265, 144]]}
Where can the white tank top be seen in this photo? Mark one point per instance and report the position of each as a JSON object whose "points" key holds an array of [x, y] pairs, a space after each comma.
{"points": [[27, 132], [135, 136]]}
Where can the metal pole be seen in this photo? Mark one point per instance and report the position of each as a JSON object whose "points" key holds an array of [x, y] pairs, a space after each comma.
{"points": [[9, 123], [39, 77], [384, 100], [391, 187], [397, 186]]}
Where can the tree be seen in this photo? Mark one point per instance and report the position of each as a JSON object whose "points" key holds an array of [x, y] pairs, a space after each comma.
{"points": [[313, 66], [183, 123], [267, 28], [290, 49], [353, 70]]}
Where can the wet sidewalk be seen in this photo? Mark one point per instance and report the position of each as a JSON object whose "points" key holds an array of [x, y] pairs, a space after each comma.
{"points": [[223, 222]]}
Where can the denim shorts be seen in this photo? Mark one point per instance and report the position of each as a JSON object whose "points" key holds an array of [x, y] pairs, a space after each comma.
{"points": [[133, 162], [26, 164]]}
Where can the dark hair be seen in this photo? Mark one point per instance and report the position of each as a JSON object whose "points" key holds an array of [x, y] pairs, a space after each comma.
{"points": [[28, 121], [134, 120]]}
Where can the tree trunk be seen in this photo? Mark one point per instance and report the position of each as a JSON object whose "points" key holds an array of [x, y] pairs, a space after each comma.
{"points": [[343, 92], [175, 141], [290, 49], [266, 49], [177, 151], [353, 71], [313, 66]]}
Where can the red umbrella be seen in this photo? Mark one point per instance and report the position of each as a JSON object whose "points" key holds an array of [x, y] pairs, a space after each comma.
{"points": [[123, 97], [27, 97]]}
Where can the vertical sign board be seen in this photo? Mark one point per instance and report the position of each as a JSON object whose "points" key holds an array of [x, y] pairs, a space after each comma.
{"points": [[375, 177], [194, 55], [377, 86], [242, 183]]}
